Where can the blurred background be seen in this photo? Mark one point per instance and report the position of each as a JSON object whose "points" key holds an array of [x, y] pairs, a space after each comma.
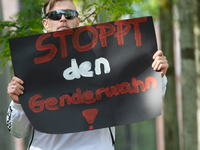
{"points": [[177, 25]]}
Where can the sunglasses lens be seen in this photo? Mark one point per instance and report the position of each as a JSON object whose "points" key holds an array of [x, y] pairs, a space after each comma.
{"points": [[55, 17], [69, 17], [57, 14]]}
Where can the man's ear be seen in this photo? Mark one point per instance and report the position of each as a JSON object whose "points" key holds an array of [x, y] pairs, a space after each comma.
{"points": [[78, 21], [46, 24]]}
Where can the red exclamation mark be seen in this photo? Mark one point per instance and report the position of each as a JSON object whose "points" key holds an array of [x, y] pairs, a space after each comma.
{"points": [[90, 115]]}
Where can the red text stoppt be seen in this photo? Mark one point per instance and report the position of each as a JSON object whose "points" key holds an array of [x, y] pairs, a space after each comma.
{"points": [[123, 28]]}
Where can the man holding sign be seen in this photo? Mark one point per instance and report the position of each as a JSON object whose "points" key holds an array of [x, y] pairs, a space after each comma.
{"points": [[62, 15]]}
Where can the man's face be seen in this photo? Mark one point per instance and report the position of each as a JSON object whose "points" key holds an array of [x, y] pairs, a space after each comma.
{"points": [[63, 23]]}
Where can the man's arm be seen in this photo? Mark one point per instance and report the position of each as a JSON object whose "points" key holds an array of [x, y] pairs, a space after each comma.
{"points": [[17, 122], [164, 85]]}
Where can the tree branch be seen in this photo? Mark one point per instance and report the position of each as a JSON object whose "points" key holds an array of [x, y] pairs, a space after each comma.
{"points": [[88, 16], [94, 19], [13, 25]]}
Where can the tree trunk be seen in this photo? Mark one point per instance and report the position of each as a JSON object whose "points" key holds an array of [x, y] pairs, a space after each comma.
{"points": [[188, 74], [197, 58], [6, 140], [170, 109]]}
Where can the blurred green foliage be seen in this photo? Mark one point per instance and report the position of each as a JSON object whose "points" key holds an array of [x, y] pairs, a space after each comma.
{"points": [[147, 8], [27, 22]]}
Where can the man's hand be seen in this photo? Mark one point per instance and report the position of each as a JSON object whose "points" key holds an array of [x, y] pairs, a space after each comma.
{"points": [[15, 89], [160, 62]]}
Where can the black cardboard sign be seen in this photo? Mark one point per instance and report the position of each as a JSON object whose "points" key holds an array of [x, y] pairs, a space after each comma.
{"points": [[89, 77]]}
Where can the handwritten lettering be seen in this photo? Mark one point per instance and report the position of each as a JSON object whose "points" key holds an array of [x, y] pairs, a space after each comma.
{"points": [[88, 97], [123, 28], [63, 46], [136, 22], [40, 47], [75, 71], [103, 34]]}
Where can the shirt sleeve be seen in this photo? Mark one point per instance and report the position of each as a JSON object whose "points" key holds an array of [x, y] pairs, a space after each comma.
{"points": [[164, 85], [17, 122]]}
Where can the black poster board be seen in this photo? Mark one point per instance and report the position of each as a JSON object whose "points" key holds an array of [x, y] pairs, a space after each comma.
{"points": [[89, 77]]}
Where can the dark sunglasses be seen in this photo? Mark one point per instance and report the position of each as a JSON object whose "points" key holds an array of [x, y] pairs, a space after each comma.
{"points": [[57, 14]]}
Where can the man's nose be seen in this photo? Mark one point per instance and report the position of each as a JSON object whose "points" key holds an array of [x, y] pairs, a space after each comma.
{"points": [[63, 18]]}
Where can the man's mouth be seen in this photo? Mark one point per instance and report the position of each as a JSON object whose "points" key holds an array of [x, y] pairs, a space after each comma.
{"points": [[63, 28]]}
